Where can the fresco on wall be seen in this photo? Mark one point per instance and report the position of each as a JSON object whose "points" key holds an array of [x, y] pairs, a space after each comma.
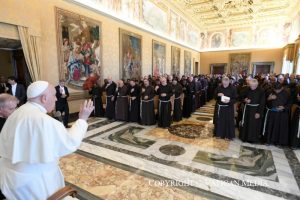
{"points": [[175, 61], [173, 31], [193, 36], [240, 39], [79, 52], [240, 63], [158, 58], [131, 9], [182, 30], [266, 36], [149, 13], [217, 40], [155, 17], [130, 55], [187, 63], [112, 5], [203, 40]]}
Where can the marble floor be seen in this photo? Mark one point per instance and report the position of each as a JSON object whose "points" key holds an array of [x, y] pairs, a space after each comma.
{"points": [[119, 160]]}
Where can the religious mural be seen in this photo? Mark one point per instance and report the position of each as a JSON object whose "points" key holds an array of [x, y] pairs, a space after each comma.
{"points": [[155, 17], [175, 61], [182, 30], [217, 40], [193, 36], [187, 63], [150, 13], [240, 63], [158, 58], [240, 39], [174, 21], [130, 55], [79, 52], [266, 36]]}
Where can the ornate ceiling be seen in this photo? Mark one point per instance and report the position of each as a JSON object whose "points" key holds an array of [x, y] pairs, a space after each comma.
{"points": [[210, 24], [219, 14]]}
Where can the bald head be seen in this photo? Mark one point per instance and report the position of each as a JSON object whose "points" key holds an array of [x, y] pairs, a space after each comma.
{"points": [[109, 79], [8, 104], [163, 80], [120, 83], [253, 83], [225, 81]]}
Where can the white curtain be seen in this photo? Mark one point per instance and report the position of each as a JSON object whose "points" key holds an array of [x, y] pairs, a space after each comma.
{"points": [[298, 62], [32, 52], [287, 66]]}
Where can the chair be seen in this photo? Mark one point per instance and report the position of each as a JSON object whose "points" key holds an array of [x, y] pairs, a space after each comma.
{"points": [[62, 193]]}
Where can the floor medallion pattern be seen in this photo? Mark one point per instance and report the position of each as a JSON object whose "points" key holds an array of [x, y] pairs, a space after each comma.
{"points": [[172, 150], [119, 160]]}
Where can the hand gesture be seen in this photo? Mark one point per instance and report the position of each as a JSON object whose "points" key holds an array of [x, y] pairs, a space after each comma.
{"points": [[220, 94], [156, 88], [85, 109], [257, 115], [163, 94], [280, 108], [247, 100], [226, 101], [146, 97]]}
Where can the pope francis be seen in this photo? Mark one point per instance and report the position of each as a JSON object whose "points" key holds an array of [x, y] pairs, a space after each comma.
{"points": [[31, 143]]}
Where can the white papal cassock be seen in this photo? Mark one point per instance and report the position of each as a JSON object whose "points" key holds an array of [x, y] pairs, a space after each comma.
{"points": [[31, 143]]}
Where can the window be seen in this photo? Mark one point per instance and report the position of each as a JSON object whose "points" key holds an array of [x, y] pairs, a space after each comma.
{"points": [[298, 62], [287, 66]]}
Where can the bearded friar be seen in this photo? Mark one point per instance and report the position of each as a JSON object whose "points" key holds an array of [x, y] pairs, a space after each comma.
{"points": [[164, 91]]}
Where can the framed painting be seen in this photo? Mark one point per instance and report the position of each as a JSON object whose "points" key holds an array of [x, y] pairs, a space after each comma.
{"points": [[79, 47], [158, 58], [187, 63], [130, 55], [175, 61], [239, 63]]}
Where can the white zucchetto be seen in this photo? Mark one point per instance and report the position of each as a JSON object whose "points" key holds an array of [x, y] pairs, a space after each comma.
{"points": [[36, 88]]}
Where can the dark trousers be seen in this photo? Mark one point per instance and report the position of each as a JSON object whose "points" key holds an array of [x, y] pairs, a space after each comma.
{"points": [[2, 196], [64, 108]]}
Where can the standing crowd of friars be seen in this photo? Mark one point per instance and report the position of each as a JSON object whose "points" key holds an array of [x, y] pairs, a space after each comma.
{"points": [[265, 108]]}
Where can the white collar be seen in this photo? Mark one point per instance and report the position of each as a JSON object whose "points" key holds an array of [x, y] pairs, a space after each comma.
{"points": [[40, 107]]}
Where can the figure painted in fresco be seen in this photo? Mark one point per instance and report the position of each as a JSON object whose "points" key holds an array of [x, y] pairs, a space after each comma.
{"points": [[203, 41], [216, 40]]}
